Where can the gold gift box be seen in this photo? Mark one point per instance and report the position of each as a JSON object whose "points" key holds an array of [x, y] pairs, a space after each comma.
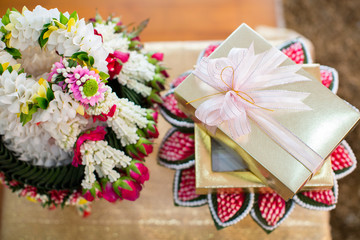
{"points": [[209, 181], [322, 128]]}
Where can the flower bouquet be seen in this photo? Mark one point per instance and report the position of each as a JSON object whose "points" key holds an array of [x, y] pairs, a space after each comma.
{"points": [[76, 106], [267, 208]]}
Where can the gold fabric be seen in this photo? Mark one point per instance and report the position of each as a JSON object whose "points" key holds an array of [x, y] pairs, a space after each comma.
{"points": [[153, 215]]}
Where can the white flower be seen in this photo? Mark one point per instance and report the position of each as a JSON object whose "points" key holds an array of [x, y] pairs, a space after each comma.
{"points": [[127, 118], [79, 37], [136, 72], [26, 28], [113, 41], [100, 157], [31, 142], [61, 109], [6, 57], [66, 133], [15, 90], [110, 99]]}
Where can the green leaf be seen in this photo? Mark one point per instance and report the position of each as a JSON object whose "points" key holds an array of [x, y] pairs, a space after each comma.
{"points": [[6, 19], [24, 118], [72, 63], [32, 109], [63, 19], [10, 69], [125, 185], [155, 97], [4, 31], [41, 40], [84, 57], [152, 60], [140, 28], [49, 94], [1, 69], [75, 55], [74, 16], [98, 18], [116, 185], [14, 52], [131, 149], [91, 60], [135, 169], [42, 102], [140, 133], [103, 75]]}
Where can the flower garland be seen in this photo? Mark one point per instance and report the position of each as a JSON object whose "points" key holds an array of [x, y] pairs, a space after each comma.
{"points": [[76, 103], [268, 209]]}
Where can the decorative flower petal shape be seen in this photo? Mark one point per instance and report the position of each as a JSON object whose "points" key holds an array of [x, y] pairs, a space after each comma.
{"points": [[207, 51], [343, 160], [324, 200], [296, 50], [270, 210], [329, 78], [184, 189], [176, 82], [177, 150], [171, 112], [229, 208]]}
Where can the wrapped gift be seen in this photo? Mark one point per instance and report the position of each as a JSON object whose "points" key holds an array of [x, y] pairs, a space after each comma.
{"points": [[212, 177], [269, 110]]}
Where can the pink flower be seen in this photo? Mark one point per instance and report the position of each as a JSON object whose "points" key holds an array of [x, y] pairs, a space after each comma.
{"points": [[137, 38], [57, 65], [58, 195], [88, 196], [143, 148], [108, 193], [153, 132], [115, 61], [13, 183], [155, 116], [144, 173], [134, 191], [29, 190], [99, 34], [95, 135], [158, 56], [86, 86], [103, 117], [164, 72], [148, 148]]}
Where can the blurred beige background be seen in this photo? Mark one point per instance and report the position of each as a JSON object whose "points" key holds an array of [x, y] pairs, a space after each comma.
{"points": [[333, 27]]}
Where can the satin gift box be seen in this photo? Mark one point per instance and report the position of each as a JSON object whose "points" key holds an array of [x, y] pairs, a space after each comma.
{"points": [[320, 129]]}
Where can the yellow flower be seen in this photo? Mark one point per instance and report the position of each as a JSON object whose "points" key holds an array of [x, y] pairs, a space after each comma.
{"points": [[80, 110], [5, 65], [70, 24], [24, 108], [31, 199], [82, 201], [48, 32]]}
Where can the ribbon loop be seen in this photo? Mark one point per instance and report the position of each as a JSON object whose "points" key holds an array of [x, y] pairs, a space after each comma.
{"points": [[248, 100]]}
